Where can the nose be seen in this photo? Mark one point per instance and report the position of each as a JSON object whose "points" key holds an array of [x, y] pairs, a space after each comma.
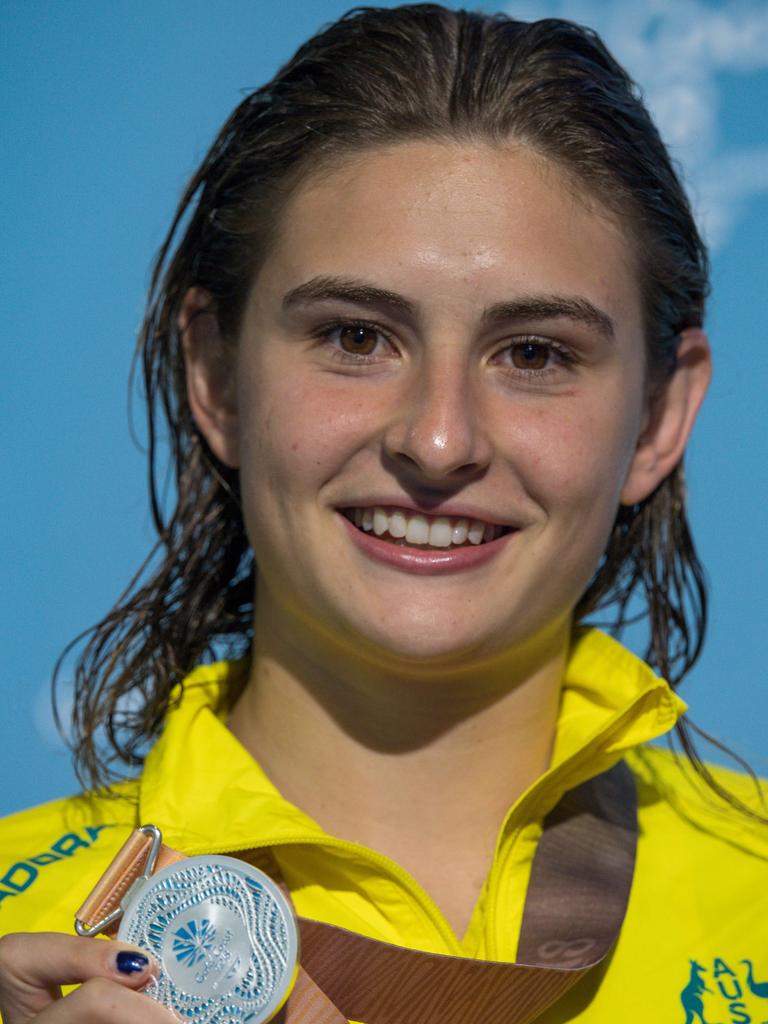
{"points": [[438, 432]]}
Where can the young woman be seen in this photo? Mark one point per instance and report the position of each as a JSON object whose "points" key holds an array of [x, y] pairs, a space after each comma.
{"points": [[427, 331]]}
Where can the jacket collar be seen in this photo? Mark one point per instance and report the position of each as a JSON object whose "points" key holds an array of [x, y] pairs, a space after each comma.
{"points": [[208, 794]]}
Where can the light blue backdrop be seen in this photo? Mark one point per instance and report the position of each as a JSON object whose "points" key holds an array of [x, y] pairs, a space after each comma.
{"points": [[107, 107]]}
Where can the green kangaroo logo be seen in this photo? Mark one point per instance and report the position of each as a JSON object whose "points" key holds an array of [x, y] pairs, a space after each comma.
{"points": [[690, 997]]}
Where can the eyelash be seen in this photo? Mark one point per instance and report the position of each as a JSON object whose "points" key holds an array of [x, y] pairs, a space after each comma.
{"points": [[324, 333], [559, 353]]}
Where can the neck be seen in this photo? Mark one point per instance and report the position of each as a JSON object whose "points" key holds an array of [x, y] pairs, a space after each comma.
{"points": [[407, 762]]}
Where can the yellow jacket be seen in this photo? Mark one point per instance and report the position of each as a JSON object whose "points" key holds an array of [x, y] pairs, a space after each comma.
{"points": [[694, 945]]}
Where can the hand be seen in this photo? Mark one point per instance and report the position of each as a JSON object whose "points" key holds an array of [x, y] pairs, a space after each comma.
{"points": [[34, 966]]}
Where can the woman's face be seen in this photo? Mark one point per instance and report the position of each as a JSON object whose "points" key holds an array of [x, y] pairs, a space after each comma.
{"points": [[444, 342]]}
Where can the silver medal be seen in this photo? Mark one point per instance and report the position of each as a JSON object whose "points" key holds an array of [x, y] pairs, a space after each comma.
{"points": [[224, 935]]}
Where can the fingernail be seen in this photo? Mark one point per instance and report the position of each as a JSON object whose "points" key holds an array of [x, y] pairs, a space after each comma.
{"points": [[131, 963]]}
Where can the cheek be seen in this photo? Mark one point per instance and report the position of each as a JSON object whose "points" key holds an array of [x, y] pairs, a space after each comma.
{"points": [[572, 465], [573, 459], [299, 431]]}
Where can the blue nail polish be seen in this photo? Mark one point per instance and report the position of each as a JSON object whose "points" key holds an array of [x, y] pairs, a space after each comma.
{"points": [[131, 963]]}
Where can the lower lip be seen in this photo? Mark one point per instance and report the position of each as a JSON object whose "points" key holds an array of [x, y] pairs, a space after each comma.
{"points": [[424, 561]]}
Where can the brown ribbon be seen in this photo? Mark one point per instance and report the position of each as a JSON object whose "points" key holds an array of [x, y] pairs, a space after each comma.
{"points": [[577, 897]]}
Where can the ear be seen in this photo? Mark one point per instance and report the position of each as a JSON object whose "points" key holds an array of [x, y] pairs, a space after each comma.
{"points": [[209, 365], [669, 418]]}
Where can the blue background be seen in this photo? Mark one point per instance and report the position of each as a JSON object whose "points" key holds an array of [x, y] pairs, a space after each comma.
{"points": [[106, 109]]}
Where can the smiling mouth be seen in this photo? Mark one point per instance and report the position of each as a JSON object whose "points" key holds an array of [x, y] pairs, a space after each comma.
{"points": [[405, 528]]}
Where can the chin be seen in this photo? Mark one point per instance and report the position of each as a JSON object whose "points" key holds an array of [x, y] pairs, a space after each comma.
{"points": [[421, 639], [429, 642]]}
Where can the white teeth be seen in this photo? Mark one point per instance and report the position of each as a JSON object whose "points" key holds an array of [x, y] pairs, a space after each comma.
{"points": [[397, 525], [440, 532], [417, 530], [476, 532], [380, 521], [460, 531]]}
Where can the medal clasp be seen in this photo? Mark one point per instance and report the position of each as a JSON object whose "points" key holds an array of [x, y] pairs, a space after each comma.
{"points": [[150, 862]]}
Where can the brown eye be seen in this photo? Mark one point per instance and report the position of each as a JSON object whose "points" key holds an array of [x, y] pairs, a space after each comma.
{"points": [[358, 339], [529, 355]]}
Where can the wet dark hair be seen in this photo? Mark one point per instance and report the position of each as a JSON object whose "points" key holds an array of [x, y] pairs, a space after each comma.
{"points": [[376, 77]]}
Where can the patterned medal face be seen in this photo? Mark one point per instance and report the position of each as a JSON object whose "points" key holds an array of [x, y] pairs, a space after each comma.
{"points": [[225, 937]]}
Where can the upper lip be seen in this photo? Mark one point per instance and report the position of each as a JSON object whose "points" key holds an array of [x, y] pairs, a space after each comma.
{"points": [[450, 510]]}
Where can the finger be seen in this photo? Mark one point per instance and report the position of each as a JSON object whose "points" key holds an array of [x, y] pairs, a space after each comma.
{"points": [[34, 966], [102, 1001]]}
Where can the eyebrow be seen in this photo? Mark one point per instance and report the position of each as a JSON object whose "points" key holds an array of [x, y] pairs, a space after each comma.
{"points": [[527, 307], [552, 307], [319, 289]]}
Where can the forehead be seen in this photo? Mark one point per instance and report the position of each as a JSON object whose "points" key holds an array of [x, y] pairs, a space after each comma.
{"points": [[454, 220]]}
